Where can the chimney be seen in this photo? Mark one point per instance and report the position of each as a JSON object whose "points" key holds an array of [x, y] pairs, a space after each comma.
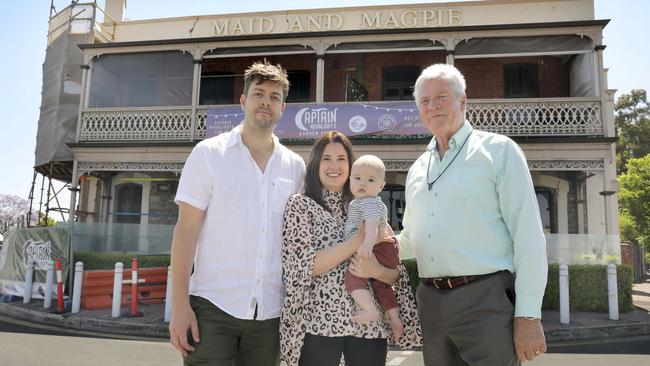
{"points": [[115, 9]]}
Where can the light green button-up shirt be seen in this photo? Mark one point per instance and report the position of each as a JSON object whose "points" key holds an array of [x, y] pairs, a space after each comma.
{"points": [[480, 216]]}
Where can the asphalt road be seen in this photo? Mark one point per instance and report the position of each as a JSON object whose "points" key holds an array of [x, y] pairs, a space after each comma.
{"points": [[23, 344]]}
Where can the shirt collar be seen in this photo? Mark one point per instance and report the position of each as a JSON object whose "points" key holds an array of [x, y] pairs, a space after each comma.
{"points": [[235, 139], [457, 139]]}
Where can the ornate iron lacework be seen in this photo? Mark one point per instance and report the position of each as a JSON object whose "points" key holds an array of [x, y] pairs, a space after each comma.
{"points": [[391, 165], [566, 165], [551, 118], [90, 166], [136, 125], [405, 165], [510, 118], [201, 117], [398, 165]]}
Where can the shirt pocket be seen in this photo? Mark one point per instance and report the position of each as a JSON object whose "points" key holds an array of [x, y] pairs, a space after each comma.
{"points": [[282, 189]]}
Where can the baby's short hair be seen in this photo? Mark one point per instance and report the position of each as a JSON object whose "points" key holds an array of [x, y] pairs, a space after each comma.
{"points": [[371, 161]]}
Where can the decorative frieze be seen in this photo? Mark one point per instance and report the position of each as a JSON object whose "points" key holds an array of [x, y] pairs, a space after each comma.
{"points": [[398, 165], [566, 164], [391, 165], [122, 166]]}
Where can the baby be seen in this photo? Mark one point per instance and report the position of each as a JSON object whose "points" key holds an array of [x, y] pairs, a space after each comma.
{"points": [[366, 181]]}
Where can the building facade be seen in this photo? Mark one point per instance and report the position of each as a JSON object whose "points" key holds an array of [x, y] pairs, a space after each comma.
{"points": [[534, 71]]}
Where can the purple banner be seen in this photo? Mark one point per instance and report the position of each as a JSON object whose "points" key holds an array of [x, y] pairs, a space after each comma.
{"points": [[312, 120]]}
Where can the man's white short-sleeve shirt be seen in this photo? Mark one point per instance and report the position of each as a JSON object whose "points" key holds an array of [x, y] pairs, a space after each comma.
{"points": [[238, 261]]}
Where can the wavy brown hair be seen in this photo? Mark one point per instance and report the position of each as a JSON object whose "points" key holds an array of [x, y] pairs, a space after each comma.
{"points": [[313, 186], [259, 72]]}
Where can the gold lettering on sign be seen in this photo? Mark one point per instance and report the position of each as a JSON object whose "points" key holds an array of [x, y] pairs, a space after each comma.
{"points": [[334, 25], [427, 16], [238, 28], [366, 22], [391, 22], [412, 18], [312, 23], [295, 25], [454, 17], [221, 29], [409, 18], [234, 27], [330, 22]]}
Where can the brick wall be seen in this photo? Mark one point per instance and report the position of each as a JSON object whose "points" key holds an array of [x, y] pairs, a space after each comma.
{"points": [[484, 76], [238, 65], [369, 66]]}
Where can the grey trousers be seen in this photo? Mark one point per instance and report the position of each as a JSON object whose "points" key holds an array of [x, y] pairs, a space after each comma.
{"points": [[229, 341], [468, 325]]}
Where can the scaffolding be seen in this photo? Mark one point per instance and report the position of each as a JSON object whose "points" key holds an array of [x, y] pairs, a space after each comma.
{"points": [[78, 23]]}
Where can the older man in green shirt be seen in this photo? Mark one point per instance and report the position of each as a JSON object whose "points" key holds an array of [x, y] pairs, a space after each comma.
{"points": [[472, 222]]}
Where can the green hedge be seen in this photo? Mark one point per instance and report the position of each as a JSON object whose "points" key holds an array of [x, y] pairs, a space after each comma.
{"points": [[94, 260], [587, 287]]}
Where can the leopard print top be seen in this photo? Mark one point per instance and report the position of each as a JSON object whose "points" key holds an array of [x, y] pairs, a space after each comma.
{"points": [[320, 305]]}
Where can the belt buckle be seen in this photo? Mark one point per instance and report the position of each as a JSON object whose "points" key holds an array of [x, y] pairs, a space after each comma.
{"points": [[434, 282], [449, 283]]}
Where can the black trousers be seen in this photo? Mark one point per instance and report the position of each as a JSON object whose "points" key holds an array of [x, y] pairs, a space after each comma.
{"points": [[229, 341], [327, 351], [468, 325]]}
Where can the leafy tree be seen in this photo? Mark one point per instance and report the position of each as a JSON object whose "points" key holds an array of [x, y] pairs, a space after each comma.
{"points": [[632, 127], [42, 222], [634, 200]]}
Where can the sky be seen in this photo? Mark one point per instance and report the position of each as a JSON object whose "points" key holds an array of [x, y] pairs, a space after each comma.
{"points": [[23, 33]]}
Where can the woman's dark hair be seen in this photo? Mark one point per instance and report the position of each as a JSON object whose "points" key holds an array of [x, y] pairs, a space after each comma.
{"points": [[313, 187]]}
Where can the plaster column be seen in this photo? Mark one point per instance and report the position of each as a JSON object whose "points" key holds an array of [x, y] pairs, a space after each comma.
{"points": [[143, 245], [72, 213], [197, 59], [599, 70], [84, 93], [82, 98], [320, 79], [320, 49]]}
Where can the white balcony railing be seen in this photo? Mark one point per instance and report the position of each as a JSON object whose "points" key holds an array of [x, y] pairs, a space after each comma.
{"points": [[512, 117], [537, 117], [136, 124]]}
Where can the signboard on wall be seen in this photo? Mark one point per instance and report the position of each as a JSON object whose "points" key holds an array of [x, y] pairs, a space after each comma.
{"points": [[312, 120], [38, 244]]}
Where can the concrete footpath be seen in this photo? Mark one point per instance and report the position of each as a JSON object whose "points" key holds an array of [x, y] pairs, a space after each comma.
{"points": [[583, 326]]}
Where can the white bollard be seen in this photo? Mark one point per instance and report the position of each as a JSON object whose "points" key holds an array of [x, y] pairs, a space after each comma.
{"points": [[76, 294], [168, 295], [29, 279], [117, 290], [49, 283], [564, 294], [612, 291]]}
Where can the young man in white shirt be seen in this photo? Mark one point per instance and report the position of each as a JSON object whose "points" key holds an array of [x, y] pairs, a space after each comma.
{"points": [[231, 198]]}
